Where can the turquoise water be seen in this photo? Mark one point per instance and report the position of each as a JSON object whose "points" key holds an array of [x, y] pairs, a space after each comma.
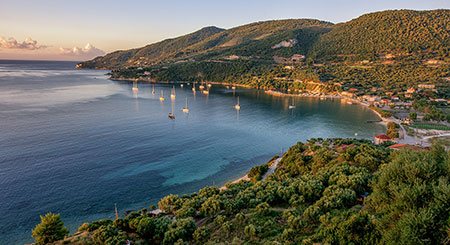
{"points": [[76, 143]]}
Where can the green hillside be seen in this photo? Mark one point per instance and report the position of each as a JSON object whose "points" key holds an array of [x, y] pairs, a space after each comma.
{"points": [[253, 41], [336, 191], [396, 32]]}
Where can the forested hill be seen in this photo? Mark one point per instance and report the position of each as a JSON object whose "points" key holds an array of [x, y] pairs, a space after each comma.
{"points": [[260, 40], [334, 191], [150, 54], [387, 33], [396, 32]]}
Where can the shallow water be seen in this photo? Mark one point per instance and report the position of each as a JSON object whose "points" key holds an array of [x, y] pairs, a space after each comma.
{"points": [[76, 143]]}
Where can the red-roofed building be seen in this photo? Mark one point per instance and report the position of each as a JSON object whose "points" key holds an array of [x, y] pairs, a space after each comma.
{"points": [[382, 138], [406, 146]]}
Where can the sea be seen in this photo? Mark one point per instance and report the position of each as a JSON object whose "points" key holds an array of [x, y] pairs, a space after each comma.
{"points": [[76, 143]]}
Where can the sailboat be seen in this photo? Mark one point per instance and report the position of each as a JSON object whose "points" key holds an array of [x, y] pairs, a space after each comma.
{"points": [[161, 98], [171, 114], [135, 88], [185, 108], [172, 95], [292, 105], [153, 89], [237, 106]]}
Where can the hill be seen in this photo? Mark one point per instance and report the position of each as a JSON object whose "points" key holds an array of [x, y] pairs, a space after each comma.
{"points": [[335, 191], [393, 33], [150, 54], [257, 40]]}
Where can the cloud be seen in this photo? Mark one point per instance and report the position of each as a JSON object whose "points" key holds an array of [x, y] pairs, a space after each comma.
{"points": [[12, 43], [88, 51]]}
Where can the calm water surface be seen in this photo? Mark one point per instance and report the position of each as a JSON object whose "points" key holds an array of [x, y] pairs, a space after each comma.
{"points": [[75, 143]]}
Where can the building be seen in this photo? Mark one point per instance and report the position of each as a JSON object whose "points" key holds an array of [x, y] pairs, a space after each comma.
{"points": [[427, 86], [411, 90], [397, 147], [348, 94], [381, 138]]}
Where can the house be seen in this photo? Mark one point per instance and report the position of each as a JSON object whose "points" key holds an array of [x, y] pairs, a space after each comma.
{"points": [[371, 98], [427, 86], [397, 147], [411, 90], [382, 138], [347, 94]]}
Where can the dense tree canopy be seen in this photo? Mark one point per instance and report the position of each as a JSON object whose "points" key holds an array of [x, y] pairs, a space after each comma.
{"points": [[335, 191]]}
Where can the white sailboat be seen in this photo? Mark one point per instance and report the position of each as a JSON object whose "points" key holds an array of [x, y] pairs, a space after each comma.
{"points": [[161, 98], [173, 95], [185, 108], [153, 89], [135, 88], [238, 105], [171, 114], [292, 105]]}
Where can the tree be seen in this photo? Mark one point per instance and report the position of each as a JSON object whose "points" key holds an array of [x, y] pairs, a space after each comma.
{"points": [[50, 229], [411, 198], [413, 115], [180, 229]]}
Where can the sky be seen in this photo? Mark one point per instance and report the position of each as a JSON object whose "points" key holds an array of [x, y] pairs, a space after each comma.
{"points": [[83, 29]]}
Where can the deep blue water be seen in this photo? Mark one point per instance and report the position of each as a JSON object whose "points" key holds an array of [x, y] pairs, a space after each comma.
{"points": [[76, 143]]}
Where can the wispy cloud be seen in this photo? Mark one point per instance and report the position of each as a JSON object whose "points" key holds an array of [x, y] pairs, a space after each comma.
{"points": [[12, 43], [89, 51]]}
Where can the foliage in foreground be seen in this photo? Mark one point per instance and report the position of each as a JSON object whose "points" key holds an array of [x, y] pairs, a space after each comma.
{"points": [[336, 191], [50, 229]]}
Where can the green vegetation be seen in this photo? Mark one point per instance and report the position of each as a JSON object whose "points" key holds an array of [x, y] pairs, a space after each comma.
{"points": [[392, 130], [256, 173], [50, 229], [335, 191], [430, 126], [383, 113], [397, 32]]}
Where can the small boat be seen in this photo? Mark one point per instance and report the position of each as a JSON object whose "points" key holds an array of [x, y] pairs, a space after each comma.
{"points": [[188, 83], [292, 105], [233, 88], [135, 88], [161, 98], [205, 91], [153, 89], [173, 95], [193, 87], [171, 114], [201, 87], [228, 87], [181, 85], [209, 85], [237, 106], [349, 102], [185, 108]]}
